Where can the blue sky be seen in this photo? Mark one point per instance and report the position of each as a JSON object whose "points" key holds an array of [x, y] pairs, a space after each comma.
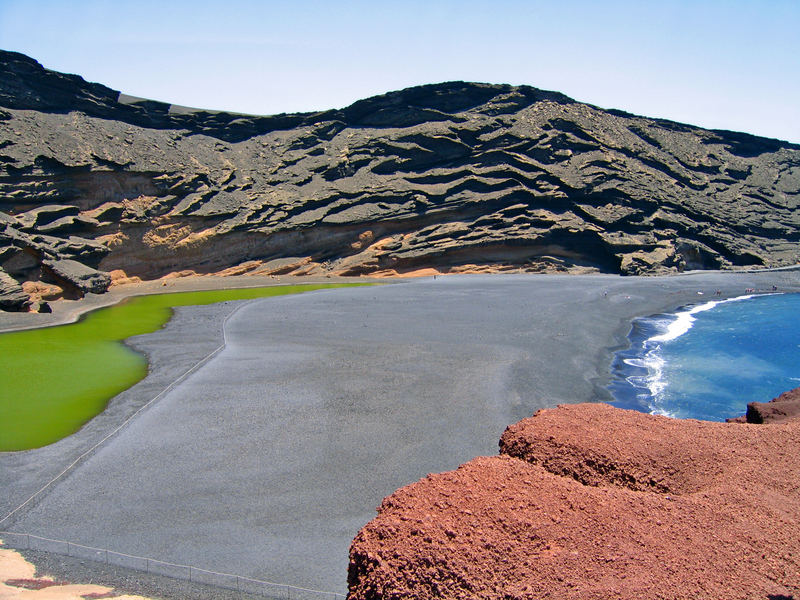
{"points": [[729, 64]]}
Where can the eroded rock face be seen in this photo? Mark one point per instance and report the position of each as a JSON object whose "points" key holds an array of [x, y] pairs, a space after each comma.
{"points": [[453, 176], [590, 501], [12, 296], [783, 408], [70, 273]]}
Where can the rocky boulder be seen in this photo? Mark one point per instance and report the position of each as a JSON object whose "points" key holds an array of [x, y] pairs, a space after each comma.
{"points": [[12, 296], [71, 274], [593, 502]]}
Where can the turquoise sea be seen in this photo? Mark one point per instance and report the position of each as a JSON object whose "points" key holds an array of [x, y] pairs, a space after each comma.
{"points": [[708, 360]]}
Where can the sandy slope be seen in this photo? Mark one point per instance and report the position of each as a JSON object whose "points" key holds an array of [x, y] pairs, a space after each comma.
{"points": [[19, 581]]}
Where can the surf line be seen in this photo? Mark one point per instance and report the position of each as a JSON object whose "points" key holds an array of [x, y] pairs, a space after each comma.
{"points": [[648, 356]]}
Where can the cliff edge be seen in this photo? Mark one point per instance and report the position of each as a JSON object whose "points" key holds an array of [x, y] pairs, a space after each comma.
{"points": [[590, 501]]}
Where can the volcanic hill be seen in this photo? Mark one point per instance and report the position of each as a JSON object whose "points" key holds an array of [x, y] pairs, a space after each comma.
{"points": [[454, 176]]}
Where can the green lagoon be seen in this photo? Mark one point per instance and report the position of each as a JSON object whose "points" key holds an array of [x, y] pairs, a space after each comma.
{"points": [[55, 379]]}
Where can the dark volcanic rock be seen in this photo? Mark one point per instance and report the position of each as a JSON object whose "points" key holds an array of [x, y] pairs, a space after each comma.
{"points": [[454, 176], [42, 216], [593, 502], [72, 274], [12, 296]]}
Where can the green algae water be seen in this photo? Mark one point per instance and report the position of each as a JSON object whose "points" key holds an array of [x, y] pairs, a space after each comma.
{"points": [[55, 379]]}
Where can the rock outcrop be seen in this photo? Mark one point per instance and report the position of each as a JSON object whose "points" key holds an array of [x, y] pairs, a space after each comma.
{"points": [[453, 176], [783, 408], [590, 501], [12, 296], [71, 273]]}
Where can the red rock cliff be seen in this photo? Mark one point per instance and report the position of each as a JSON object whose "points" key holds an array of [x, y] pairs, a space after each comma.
{"points": [[589, 501]]}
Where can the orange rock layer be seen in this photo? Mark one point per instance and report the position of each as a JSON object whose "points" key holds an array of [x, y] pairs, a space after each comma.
{"points": [[589, 501]]}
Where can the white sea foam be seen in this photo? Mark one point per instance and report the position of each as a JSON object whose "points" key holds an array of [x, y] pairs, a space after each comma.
{"points": [[684, 320], [663, 413], [645, 366], [652, 382], [636, 362], [652, 360]]}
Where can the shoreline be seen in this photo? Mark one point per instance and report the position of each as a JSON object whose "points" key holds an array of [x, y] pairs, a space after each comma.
{"points": [[570, 327], [644, 378], [678, 303], [69, 311]]}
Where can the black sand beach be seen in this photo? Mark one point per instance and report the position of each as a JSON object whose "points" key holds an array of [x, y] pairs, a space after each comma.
{"points": [[267, 460]]}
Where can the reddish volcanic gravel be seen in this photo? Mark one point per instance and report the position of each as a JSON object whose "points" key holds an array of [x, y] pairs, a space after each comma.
{"points": [[589, 501]]}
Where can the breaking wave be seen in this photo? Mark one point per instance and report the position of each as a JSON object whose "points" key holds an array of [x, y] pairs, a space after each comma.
{"points": [[638, 380]]}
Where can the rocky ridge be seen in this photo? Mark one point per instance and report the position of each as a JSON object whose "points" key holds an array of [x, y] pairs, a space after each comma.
{"points": [[783, 408], [589, 501], [455, 176]]}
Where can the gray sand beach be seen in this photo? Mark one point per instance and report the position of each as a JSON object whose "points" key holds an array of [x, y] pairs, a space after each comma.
{"points": [[267, 459]]}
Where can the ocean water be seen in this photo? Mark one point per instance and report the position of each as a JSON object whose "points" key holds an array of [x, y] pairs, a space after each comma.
{"points": [[707, 361]]}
